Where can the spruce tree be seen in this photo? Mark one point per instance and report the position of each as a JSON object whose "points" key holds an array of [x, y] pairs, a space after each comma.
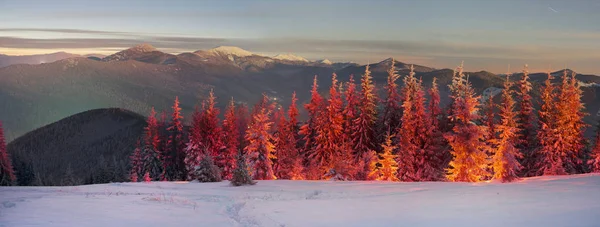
{"points": [[195, 147], [151, 155], [176, 169], [309, 130], [329, 131], [436, 143], [230, 140], [550, 162], [206, 170], [526, 123], [392, 111], [289, 162], [466, 139], [363, 135], [240, 173], [388, 166], [136, 163], [594, 162], [7, 174], [210, 132], [260, 148], [505, 162]]}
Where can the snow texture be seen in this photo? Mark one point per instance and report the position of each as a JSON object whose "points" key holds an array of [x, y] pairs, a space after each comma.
{"points": [[569, 201]]}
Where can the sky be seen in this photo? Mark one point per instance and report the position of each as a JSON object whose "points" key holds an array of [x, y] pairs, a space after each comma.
{"points": [[486, 35]]}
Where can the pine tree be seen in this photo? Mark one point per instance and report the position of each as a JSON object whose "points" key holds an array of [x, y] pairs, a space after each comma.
{"points": [[392, 112], [309, 129], [466, 139], [260, 148], [363, 135], [136, 163], [151, 155], [527, 127], [289, 162], [240, 173], [230, 140], [505, 160], [176, 169], [389, 166], [594, 162], [7, 174]]}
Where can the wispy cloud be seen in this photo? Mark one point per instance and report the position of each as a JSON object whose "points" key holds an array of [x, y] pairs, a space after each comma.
{"points": [[552, 9]]}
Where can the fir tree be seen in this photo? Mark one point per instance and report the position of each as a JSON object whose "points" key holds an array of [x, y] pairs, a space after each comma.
{"points": [[440, 156], [505, 160], [7, 174], [466, 139], [195, 148], [526, 127], [490, 118], [176, 169], [230, 140], [136, 163], [392, 112], [151, 155], [388, 165], [594, 162], [329, 131], [210, 131], [240, 173], [289, 163], [350, 111], [147, 177], [551, 161], [162, 145], [260, 148], [575, 112], [363, 136], [309, 129]]}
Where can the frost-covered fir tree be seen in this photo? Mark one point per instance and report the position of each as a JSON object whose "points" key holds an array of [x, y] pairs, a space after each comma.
{"points": [[7, 174], [206, 170], [230, 140], [240, 173], [175, 166], [135, 161], [526, 123], [151, 156], [363, 128], [505, 162], [594, 162], [309, 130], [575, 125], [388, 166], [260, 148], [435, 143], [466, 139]]}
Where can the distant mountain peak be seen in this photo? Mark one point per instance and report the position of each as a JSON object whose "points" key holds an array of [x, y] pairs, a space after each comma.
{"points": [[290, 57], [230, 50], [325, 61], [144, 47]]}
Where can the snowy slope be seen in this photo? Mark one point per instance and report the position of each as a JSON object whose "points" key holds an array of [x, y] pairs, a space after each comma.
{"points": [[230, 50], [571, 201]]}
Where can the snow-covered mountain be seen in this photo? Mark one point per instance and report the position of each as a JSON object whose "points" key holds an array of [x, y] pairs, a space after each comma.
{"points": [[290, 57], [325, 61], [230, 50]]}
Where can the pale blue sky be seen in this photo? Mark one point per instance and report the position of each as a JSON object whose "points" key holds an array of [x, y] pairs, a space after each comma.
{"points": [[486, 34]]}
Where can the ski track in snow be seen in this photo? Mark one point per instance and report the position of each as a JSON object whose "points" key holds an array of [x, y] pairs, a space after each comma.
{"points": [[571, 201]]}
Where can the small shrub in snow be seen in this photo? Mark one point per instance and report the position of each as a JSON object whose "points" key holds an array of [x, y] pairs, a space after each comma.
{"points": [[240, 173], [206, 171]]}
